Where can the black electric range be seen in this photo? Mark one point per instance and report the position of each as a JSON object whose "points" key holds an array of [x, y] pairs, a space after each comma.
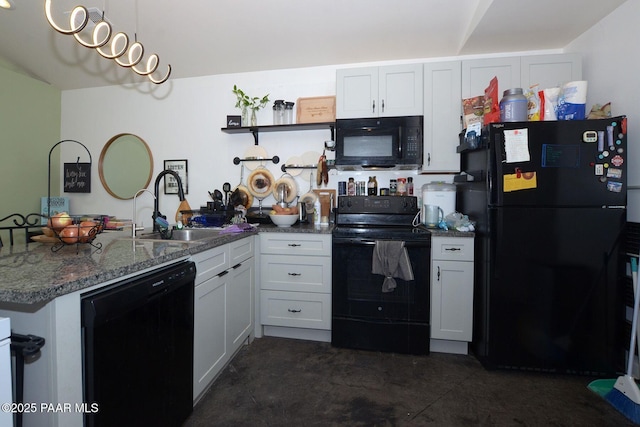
{"points": [[364, 314]]}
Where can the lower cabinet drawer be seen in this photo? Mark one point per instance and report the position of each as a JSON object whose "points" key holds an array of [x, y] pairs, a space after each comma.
{"points": [[296, 273], [295, 309]]}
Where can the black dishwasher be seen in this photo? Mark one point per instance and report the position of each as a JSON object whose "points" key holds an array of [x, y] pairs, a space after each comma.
{"points": [[138, 349]]}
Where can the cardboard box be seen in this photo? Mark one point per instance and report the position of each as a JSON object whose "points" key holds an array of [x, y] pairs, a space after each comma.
{"points": [[318, 109], [58, 204]]}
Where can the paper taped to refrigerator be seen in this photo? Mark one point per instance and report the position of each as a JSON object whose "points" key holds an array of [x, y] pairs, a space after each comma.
{"points": [[519, 181], [516, 145]]}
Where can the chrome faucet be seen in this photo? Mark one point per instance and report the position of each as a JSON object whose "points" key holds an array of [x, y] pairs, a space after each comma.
{"points": [[156, 208], [134, 227]]}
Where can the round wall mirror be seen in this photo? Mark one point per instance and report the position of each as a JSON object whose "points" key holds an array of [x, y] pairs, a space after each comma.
{"points": [[125, 165]]}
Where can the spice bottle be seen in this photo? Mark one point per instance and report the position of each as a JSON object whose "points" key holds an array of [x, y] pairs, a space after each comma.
{"points": [[393, 187], [351, 187], [401, 190], [372, 186], [410, 186]]}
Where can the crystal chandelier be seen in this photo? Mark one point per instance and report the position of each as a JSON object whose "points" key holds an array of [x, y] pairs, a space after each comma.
{"points": [[125, 55]]}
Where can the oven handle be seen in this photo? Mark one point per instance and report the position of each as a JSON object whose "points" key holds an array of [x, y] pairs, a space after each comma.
{"points": [[371, 242]]}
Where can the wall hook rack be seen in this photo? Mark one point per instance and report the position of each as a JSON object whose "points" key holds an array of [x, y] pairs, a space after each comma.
{"points": [[285, 167], [274, 159]]}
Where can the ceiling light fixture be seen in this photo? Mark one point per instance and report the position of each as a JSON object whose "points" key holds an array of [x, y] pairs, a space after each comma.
{"points": [[6, 4], [101, 36]]}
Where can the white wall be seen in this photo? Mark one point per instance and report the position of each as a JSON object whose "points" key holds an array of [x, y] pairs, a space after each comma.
{"points": [[611, 64], [182, 119]]}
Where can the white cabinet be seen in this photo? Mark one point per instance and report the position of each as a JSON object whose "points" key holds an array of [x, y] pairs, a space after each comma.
{"points": [[240, 294], [394, 90], [295, 285], [442, 112], [520, 71], [451, 293], [477, 73], [550, 70], [223, 308]]}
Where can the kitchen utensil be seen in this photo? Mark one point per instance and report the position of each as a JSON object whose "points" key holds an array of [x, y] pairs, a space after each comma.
{"points": [[433, 215], [284, 220], [226, 188], [323, 172], [291, 189], [260, 184], [310, 197], [217, 195], [241, 195], [184, 206], [302, 212]]}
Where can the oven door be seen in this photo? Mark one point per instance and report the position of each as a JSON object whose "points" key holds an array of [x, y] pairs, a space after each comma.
{"points": [[365, 317]]}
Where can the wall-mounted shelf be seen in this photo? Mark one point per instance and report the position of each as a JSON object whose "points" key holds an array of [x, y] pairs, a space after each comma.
{"points": [[255, 130]]}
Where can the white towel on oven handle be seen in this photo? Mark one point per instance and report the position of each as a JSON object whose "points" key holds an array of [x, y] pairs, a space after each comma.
{"points": [[390, 259]]}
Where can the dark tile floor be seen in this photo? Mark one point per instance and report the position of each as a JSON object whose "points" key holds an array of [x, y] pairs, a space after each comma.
{"points": [[283, 382]]}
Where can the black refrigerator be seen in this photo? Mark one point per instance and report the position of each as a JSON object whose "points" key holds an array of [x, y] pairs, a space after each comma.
{"points": [[549, 201]]}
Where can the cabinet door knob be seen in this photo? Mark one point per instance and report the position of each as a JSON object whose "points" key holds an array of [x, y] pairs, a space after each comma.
{"points": [[438, 273], [294, 310], [453, 249], [294, 274], [293, 245], [382, 111], [374, 106]]}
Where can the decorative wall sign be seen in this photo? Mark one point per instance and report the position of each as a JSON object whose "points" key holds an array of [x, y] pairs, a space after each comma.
{"points": [[170, 184], [77, 177]]}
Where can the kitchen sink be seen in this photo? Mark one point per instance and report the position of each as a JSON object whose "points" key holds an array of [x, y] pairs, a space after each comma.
{"points": [[184, 235]]}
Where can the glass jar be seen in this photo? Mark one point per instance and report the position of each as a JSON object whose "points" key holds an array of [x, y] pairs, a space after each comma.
{"points": [[410, 186], [278, 112], [288, 112]]}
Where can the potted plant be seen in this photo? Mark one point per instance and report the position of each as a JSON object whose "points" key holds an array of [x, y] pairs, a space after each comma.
{"points": [[244, 102]]}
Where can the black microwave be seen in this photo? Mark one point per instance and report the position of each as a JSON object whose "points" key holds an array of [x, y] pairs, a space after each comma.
{"points": [[391, 143]]}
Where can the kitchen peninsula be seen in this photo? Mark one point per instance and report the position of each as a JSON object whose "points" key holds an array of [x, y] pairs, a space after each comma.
{"points": [[40, 290]]}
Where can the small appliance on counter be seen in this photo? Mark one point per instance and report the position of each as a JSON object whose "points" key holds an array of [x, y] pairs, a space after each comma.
{"points": [[438, 197]]}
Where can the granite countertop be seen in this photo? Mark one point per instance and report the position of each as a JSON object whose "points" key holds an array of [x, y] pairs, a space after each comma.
{"points": [[33, 273]]}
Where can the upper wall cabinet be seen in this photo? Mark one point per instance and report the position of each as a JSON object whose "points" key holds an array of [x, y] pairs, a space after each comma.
{"points": [[520, 71], [441, 116], [550, 70], [447, 83], [379, 91], [477, 73]]}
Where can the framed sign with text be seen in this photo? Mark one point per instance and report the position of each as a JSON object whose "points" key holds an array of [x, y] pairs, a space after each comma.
{"points": [[170, 183], [77, 177]]}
